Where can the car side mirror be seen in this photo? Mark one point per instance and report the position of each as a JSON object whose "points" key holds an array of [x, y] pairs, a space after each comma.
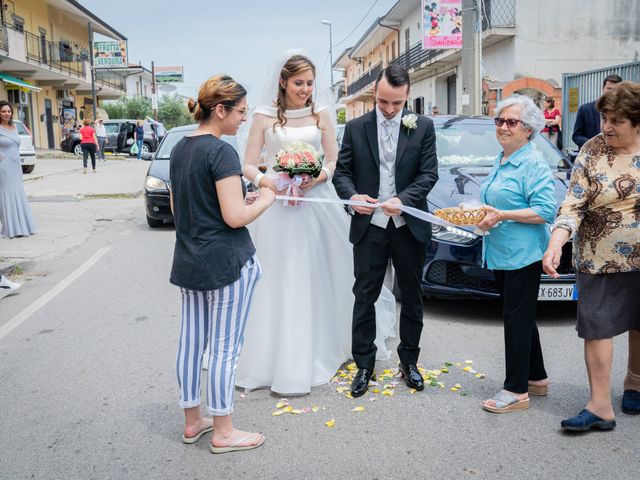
{"points": [[146, 156]]}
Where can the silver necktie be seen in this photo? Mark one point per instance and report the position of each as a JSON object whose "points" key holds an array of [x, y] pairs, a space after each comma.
{"points": [[388, 140]]}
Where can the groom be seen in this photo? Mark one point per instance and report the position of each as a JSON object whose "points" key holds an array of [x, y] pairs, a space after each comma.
{"points": [[388, 157]]}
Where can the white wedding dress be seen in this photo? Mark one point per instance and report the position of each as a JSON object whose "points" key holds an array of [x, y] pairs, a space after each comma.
{"points": [[299, 328]]}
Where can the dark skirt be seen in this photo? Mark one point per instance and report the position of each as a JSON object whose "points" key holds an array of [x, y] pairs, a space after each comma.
{"points": [[608, 304]]}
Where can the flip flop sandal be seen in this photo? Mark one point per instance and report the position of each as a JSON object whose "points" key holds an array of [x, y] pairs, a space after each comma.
{"points": [[235, 446], [505, 403], [538, 390], [196, 437]]}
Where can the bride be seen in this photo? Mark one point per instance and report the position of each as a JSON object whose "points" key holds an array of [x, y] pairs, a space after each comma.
{"points": [[299, 330]]}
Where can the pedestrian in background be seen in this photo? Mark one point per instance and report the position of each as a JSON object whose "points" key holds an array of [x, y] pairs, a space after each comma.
{"points": [[138, 136], [435, 110], [553, 121], [520, 199], [16, 218], [587, 123], [216, 281], [101, 135], [601, 210], [88, 144]]}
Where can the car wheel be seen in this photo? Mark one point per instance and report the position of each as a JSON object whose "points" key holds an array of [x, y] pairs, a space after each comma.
{"points": [[77, 149], [153, 223], [28, 168], [146, 148]]}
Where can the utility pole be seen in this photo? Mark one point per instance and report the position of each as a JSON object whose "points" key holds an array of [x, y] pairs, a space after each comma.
{"points": [[471, 54], [93, 74], [154, 96]]}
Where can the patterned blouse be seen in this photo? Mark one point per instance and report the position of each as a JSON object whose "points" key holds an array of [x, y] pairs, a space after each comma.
{"points": [[603, 206]]}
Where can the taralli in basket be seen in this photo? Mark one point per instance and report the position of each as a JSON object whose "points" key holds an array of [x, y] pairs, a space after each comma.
{"points": [[461, 216]]}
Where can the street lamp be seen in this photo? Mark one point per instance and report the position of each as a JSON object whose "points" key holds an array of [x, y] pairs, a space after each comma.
{"points": [[327, 22]]}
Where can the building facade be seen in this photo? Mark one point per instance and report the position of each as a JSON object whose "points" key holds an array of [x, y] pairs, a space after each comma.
{"points": [[526, 47], [45, 65]]}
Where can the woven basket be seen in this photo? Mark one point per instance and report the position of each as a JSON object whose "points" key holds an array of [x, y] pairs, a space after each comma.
{"points": [[461, 216]]}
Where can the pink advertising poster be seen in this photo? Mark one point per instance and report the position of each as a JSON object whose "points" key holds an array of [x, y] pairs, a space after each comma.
{"points": [[441, 24]]}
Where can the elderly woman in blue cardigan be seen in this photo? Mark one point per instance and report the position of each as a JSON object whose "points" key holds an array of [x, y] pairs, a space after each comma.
{"points": [[519, 194]]}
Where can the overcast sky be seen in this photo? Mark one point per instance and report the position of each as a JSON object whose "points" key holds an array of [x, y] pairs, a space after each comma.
{"points": [[239, 37]]}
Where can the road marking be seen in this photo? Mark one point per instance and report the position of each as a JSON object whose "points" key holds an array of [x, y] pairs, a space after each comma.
{"points": [[47, 297]]}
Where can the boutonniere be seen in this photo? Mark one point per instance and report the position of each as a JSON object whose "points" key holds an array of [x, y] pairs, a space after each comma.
{"points": [[410, 122]]}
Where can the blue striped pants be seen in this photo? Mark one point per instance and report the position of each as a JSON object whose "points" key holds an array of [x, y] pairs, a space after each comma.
{"points": [[216, 318]]}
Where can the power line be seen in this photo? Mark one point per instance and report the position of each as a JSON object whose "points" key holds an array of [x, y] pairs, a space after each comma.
{"points": [[356, 27]]}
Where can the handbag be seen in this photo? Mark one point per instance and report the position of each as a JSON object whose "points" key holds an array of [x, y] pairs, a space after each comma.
{"points": [[134, 149]]}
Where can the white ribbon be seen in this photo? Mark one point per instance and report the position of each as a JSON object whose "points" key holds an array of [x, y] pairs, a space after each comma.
{"points": [[292, 185], [414, 212]]}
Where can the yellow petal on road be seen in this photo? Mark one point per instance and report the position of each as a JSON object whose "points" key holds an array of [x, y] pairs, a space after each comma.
{"points": [[480, 375], [348, 395], [376, 390], [468, 362], [453, 389], [282, 403], [315, 409], [277, 413], [287, 409], [330, 423], [296, 411], [358, 409], [457, 385], [466, 369], [412, 391], [445, 370], [342, 389], [388, 392]]}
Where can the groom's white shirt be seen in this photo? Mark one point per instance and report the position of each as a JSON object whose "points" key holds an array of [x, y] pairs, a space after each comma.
{"points": [[387, 171]]}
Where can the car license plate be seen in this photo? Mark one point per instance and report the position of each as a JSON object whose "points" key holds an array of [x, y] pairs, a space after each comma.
{"points": [[557, 292]]}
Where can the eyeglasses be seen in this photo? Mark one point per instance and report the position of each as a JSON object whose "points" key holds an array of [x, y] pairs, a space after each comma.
{"points": [[511, 122]]}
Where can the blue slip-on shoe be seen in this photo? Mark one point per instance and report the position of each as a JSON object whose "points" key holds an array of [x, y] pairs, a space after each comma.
{"points": [[586, 420], [631, 402]]}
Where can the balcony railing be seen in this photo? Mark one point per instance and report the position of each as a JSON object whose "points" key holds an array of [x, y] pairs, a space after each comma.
{"points": [[4, 41], [499, 13], [367, 78], [415, 56], [111, 80], [56, 55]]}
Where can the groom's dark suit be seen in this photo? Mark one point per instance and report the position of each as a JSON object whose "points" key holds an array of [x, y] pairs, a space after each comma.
{"points": [[416, 172]]}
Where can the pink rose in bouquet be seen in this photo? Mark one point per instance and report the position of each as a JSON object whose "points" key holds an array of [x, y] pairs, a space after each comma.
{"points": [[295, 160]]}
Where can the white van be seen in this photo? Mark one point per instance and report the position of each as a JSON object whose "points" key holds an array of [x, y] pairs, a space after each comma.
{"points": [[27, 150]]}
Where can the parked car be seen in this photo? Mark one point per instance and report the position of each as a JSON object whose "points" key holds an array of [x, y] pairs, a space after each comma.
{"points": [[157, 182], [119, 138], [27, 150], [467, 148]]}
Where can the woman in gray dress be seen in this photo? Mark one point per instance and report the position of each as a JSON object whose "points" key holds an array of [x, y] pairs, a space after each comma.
{"points": [[16, 219]]}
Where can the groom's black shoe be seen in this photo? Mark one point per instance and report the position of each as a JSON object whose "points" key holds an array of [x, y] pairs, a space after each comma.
{"points": [[412, 376], [360, 383]]}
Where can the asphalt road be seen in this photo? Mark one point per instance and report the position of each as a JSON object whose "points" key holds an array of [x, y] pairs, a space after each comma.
{"points": [[89, 389]]}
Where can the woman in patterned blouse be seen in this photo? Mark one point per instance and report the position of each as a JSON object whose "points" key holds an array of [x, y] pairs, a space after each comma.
{"points": [[602, 210]]}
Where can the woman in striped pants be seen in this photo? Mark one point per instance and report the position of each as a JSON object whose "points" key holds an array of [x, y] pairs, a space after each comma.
{"points": [[214, 261]]}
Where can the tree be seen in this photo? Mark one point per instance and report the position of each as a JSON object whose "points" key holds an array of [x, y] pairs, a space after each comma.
{"points": [[341, 117], [115, 109], [138, 108], [172, 112]]}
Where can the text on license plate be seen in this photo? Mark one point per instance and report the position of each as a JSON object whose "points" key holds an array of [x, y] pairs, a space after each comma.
{"points": [[558, 292]]}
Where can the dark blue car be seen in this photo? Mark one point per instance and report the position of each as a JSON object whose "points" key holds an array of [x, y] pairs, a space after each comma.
{"points": [[467, 148]]}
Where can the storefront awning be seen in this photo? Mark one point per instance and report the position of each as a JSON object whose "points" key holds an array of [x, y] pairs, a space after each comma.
{"points": [[21, 84]]}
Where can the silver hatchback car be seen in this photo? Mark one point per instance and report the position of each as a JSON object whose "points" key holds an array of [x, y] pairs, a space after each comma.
{"points": [[27, 150]]}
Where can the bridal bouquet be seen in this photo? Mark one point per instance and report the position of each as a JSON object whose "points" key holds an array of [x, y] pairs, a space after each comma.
{"points": [[292, 162], [298, 158]]}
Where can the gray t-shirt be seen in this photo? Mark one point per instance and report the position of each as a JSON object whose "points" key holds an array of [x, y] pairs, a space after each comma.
{"points": [[209, 254]]}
